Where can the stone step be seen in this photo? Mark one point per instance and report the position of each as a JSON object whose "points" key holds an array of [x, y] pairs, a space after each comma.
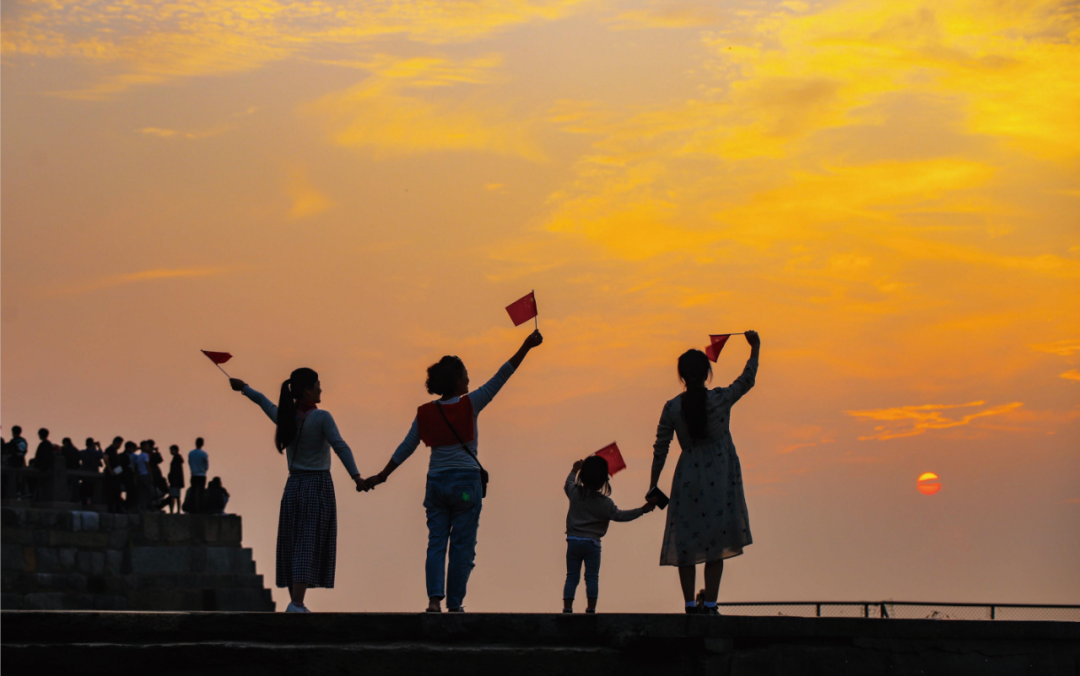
{"points": [[250, 598], [18, 582], [603, 630], [260, 659]]}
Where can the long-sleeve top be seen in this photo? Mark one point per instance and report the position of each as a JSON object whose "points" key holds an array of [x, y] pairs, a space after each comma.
{"points": [[591, 511], [718, 405], [310, 451], [445, 458], [198, 462]]}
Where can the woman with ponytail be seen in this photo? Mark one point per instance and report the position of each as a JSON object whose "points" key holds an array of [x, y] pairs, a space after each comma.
{"points": [[307, 522], [707, 521]]}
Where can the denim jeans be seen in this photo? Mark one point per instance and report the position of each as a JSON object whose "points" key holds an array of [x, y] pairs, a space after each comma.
{"points": [[578, 551], [453, 502]]}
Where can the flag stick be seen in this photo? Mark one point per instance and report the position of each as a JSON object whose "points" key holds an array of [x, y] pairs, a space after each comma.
{"points": [[222, 370], [536, 317]]}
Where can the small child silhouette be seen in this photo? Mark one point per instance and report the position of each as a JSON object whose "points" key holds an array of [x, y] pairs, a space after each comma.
{"points": [[591, 510]]}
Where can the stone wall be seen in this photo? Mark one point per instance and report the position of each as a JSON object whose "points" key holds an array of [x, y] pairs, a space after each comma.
{"points": [[71, 560]]}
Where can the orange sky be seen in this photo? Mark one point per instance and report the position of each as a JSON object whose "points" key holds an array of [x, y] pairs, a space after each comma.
{"points": [[888, 191]]}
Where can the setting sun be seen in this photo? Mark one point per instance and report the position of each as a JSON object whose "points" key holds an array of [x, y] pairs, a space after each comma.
{"points": [[928, 483]]}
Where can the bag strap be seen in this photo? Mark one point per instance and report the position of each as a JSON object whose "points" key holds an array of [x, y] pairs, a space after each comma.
{"points": [[458, 436]]}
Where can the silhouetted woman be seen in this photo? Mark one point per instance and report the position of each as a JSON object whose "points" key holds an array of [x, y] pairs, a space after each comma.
{"points": [[707, 520], [455, 487], [307, 521]]}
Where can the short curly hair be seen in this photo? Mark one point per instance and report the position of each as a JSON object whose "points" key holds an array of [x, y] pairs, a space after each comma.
{"points": [[443, 376]]}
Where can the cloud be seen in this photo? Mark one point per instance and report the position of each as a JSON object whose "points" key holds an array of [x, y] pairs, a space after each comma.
{"points": [[405, 107], [135, 277], [908, 421], [174, 133], [307, 200], [1071, 374], [1062, 348], [136, 43]]}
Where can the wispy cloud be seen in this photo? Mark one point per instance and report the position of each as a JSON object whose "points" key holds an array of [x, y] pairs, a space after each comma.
{"points": [[1071, 374], [399, 110], [908, 421], [146, 43], [307, 200], [1062, 348], [134, 278]]}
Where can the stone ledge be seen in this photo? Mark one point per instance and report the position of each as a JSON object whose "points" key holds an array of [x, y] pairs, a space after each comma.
{"points": [[239, 644]]}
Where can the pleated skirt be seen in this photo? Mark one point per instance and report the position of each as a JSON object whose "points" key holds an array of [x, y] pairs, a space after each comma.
{"points": [[307, 531]]}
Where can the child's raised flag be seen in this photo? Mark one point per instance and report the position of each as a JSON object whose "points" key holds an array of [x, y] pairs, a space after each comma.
{"points": [[614, 459], [716, 343], [523, 309]]}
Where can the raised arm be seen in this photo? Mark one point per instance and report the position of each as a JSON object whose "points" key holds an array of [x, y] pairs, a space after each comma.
{"points": [[534, 339], [571, 480], [483, 395], [748, 377], [664, 433], [268, 407]]}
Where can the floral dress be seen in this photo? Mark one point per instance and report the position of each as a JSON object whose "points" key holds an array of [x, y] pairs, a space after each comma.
{"points": [[707, 519]]}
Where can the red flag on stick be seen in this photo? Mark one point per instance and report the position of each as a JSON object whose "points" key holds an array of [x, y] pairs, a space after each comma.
{"points": [[614, 459], [716, 343], [523, 309], [218, 358]]}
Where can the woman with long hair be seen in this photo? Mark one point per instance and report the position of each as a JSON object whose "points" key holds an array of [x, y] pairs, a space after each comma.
{"points": [[307, 521], [456, 481], [707, 521]]}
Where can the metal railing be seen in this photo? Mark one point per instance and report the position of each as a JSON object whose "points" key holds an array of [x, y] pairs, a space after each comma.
{"points": [[908, 610]]}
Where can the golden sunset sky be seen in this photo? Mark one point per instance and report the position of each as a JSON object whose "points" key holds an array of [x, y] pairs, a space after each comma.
{"points": [[889, 192]]}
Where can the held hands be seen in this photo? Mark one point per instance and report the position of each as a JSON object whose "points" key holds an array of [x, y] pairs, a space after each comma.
{"points": [[753, 339], [650, 505], [359, 482], [237, 384], [370, 483]]}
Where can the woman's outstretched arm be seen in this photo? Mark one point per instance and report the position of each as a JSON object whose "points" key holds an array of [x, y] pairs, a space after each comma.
{"points": [[483, 395], [746, 380], [268, 407], [534, 339]]}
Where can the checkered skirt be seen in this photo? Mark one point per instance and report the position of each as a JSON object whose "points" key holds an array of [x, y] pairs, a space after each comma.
{"points": [[307, 531]]}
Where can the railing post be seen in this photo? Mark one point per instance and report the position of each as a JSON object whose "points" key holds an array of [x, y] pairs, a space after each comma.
{"points": [[993, 613], [866, 610], [884, 613], [819, 610]]}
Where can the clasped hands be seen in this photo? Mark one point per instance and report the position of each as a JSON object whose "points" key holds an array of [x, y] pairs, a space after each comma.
{"points": [[369, 484]]}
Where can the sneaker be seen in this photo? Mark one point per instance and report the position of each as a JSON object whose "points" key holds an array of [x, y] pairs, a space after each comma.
{"points": [[590, 611], [714, 611], [455, 610], [567, 611], [693, 610], [293, 608]]}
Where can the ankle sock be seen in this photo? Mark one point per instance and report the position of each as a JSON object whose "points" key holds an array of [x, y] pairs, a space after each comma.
{"points": [[710, 604], [691, 604]]}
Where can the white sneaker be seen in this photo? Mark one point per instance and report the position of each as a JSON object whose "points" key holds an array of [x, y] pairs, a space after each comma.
{"points": [[293, 608]]}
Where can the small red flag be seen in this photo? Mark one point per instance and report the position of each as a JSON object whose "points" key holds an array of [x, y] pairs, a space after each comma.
{"points": [[614, 459], [523, 309], [712, 351], [217, 357]]}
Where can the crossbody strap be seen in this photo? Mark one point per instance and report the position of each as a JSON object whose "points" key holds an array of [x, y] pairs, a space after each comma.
{"points": [[458, 436]]}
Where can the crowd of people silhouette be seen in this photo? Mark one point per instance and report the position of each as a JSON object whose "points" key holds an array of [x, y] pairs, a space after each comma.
{"points": [[131, 476]]}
